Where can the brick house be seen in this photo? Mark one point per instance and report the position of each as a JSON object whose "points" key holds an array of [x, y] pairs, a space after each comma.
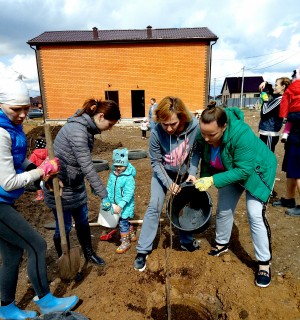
{"points": [[127, 66]]}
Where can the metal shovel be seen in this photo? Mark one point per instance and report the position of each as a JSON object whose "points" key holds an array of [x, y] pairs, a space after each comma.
{"points": [[69, 261]]}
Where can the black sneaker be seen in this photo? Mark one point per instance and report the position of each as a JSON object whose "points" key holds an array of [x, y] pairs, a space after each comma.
{"points": [[191, 246], [288, 203], [140, 262], [263, 278], [217, 251]]}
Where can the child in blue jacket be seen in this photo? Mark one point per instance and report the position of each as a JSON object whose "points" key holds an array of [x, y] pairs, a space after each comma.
{"points": [[120, 188]]}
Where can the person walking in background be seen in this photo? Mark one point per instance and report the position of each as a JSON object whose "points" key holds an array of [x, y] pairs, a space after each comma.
{"points": [[121, 187], [16, 234], [174, 159], [152, 107], [145, 127], [235, 160], [270, 122], [73, 146], [290, 109], [38, 155]]}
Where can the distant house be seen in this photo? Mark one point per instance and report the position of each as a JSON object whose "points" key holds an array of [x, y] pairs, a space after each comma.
{"points": [[232, 89], [36, 102], [127, 66]]}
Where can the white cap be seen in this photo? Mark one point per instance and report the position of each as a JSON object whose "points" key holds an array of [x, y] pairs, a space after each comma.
{"points": [[13, 91]]}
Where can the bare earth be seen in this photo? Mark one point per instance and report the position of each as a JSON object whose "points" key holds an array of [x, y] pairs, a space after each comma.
{"points": [[188, 285]]}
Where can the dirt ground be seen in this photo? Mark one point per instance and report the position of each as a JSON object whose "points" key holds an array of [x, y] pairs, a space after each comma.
{"points": [[188, 285]]}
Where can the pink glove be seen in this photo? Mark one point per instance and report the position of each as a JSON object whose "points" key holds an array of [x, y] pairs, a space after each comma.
{"points": [[50, 167]]}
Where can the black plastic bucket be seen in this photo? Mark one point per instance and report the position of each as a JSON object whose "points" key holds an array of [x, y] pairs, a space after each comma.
{"points": [[191, 210]]}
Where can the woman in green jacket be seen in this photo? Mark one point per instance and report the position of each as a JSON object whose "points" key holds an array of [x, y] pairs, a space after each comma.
{"points": [[234, 159]]}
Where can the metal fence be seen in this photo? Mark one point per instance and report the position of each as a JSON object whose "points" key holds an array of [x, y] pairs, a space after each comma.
{"points": [[251, 103]]}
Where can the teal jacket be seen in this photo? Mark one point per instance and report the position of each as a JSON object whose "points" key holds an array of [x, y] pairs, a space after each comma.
{"points": [[121, 190], [246, 159]]}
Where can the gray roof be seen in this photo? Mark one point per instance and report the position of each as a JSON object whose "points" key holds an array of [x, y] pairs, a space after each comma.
{"points": [[124, 36]]}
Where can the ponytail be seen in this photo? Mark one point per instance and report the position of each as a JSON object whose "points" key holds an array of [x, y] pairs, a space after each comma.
{"points": [[109, 108], [214, 113]]}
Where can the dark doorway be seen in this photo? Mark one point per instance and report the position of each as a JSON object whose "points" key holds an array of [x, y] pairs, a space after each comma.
{"points": [[138, 103], [112, 95]]}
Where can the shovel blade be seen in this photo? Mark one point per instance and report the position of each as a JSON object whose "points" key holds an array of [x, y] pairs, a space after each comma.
{"points": [[108, 236], [69, 264]]}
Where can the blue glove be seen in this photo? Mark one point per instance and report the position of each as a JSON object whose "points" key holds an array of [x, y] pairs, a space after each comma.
{"points": [[106, 204]]}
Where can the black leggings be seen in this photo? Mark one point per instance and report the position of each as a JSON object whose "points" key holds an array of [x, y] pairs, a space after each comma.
{"points": [[270, 141], [17, 236]]}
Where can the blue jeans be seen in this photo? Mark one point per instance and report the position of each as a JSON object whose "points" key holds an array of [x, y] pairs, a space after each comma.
{"points": [[151, 218], [228, 198], [80, 216], [124, 225]]}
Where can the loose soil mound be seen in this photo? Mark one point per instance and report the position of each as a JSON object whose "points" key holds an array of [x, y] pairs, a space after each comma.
{"points": [[187, 285]]}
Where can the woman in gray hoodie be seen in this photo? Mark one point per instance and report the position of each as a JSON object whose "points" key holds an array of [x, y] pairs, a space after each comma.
{"points": [[174, 159]]}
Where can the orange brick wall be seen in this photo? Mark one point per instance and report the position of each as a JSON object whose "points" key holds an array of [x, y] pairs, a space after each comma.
{"points": [[71, 74]]}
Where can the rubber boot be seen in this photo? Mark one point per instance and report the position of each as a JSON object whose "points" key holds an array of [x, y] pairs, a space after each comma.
{"points": [[49, 303], [132, 234], [11, 311], [39, 196], [84, 237], [57, 245], [125, 245]]}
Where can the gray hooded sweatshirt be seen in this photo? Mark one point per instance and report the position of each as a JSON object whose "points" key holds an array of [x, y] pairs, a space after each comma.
{"points": [[170, 154], [73, 146]]}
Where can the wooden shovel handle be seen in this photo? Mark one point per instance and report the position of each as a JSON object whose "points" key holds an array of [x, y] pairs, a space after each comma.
{"points": [[97, 224], [59, 210]]}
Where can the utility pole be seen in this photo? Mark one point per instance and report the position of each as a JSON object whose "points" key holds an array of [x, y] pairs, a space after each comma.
{"points": [[214, 88], [242, 88]]}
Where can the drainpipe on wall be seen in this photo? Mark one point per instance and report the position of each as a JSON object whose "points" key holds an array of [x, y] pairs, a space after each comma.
{"points": [[210, 71], [40, 84]]}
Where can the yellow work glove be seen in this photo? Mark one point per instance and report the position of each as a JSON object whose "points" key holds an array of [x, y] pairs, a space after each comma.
{"points": [[203, 184]]}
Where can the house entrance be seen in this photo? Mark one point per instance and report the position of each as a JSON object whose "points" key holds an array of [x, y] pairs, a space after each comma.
{"points": [[138, 103], [112, 95]]}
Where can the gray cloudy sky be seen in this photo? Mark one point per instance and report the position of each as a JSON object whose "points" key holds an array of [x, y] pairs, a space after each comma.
{"points": [[261, 35]]}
